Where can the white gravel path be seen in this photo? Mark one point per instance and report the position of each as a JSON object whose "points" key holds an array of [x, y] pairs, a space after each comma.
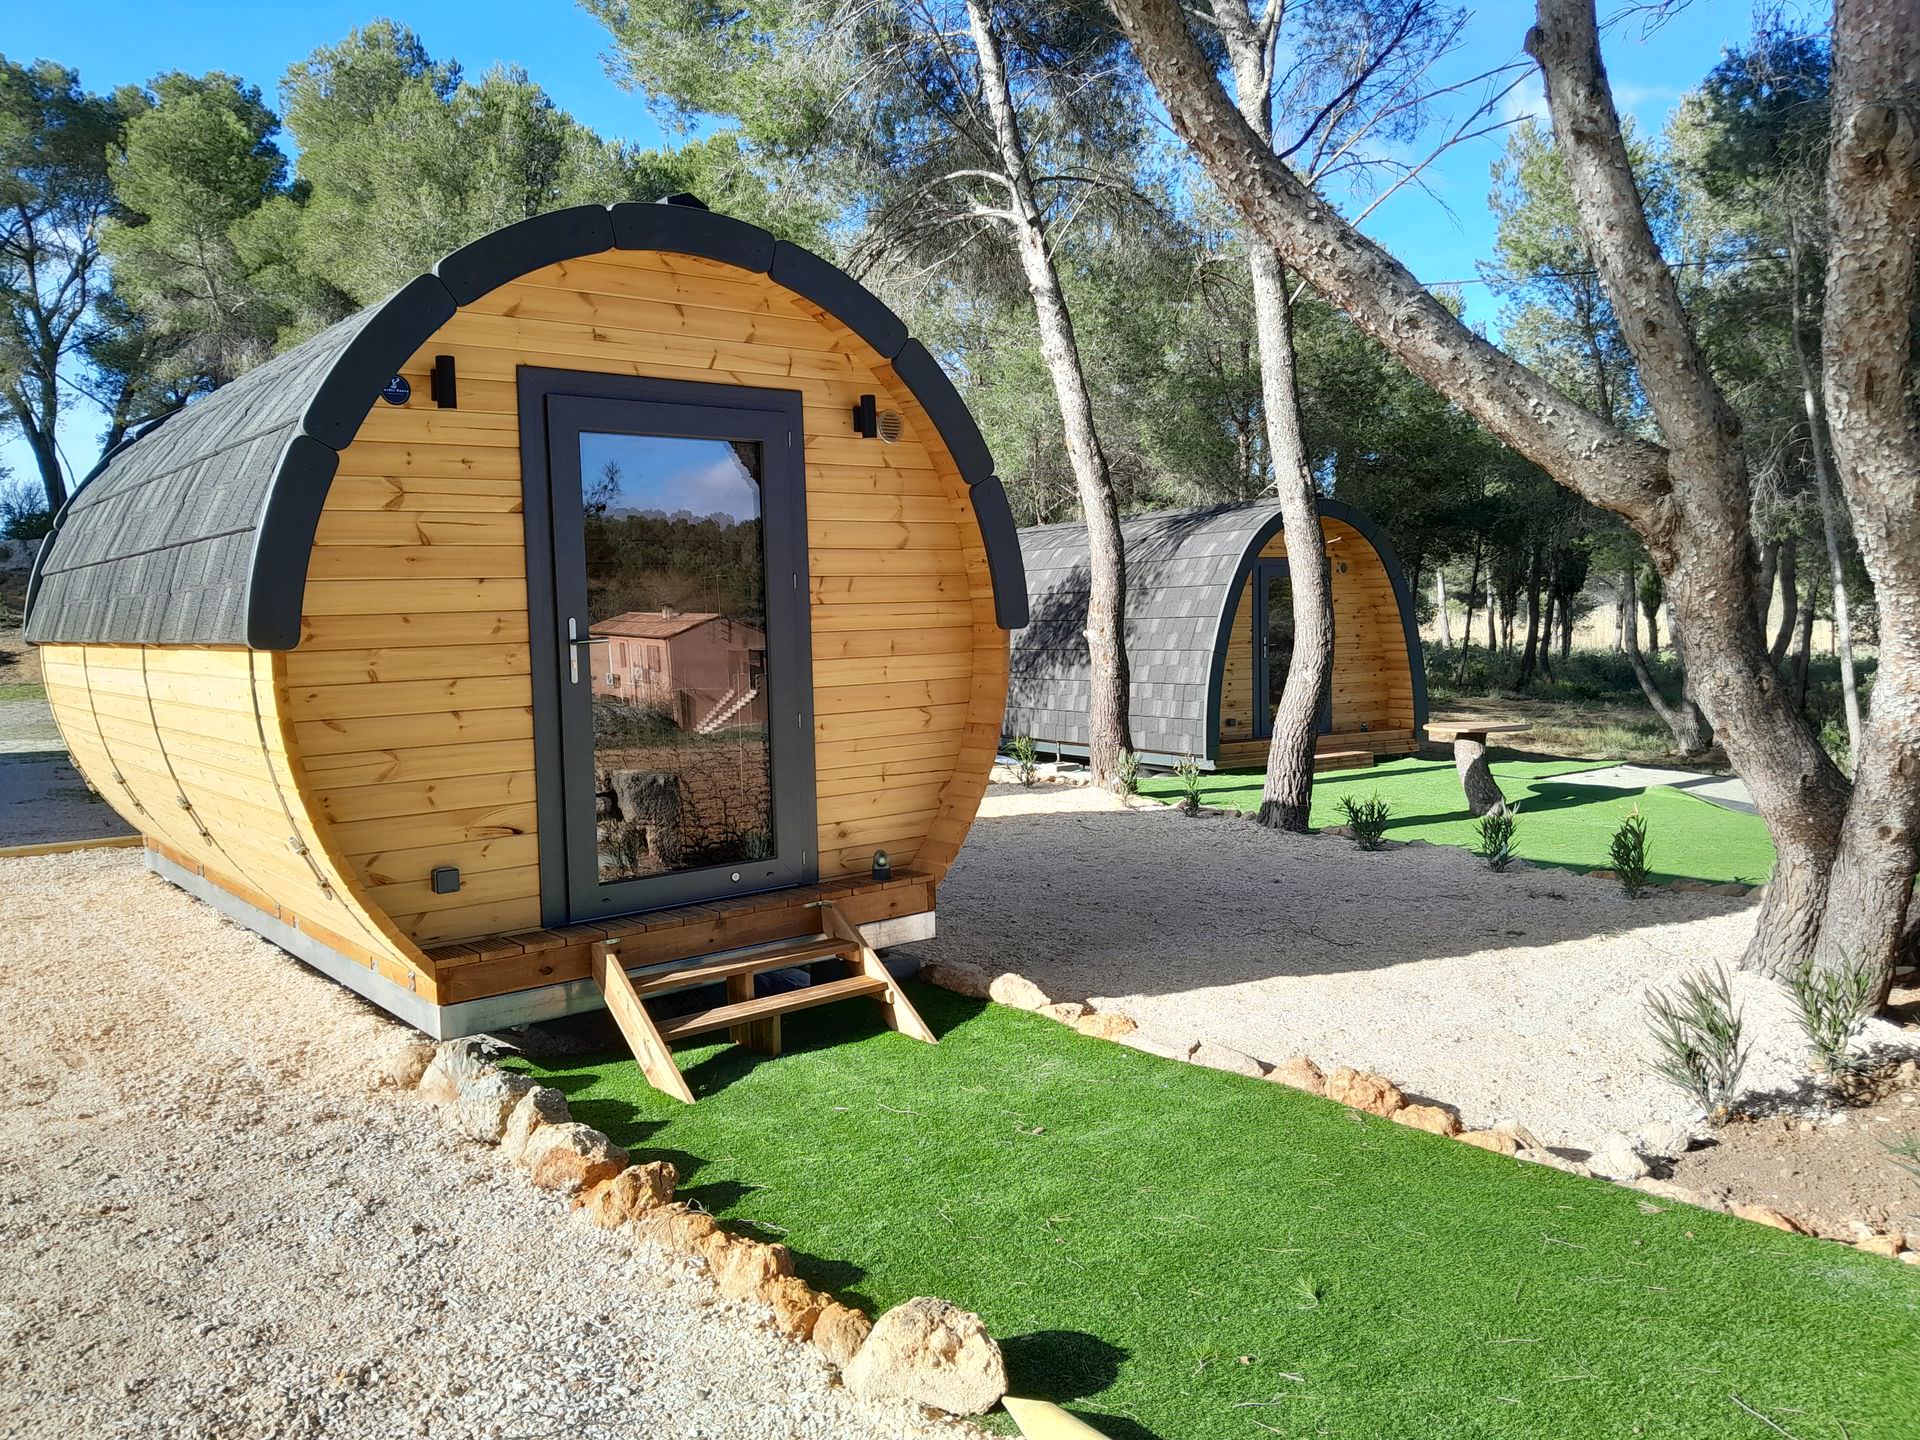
{"points": [[212, 1229], [1515, 996]]}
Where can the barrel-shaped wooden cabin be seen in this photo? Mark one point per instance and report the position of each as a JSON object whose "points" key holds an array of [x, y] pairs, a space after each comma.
{"points": [[632, 577], [1210, 637]]}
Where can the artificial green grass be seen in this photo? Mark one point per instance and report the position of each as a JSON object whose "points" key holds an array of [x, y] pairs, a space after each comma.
{"points": [[1562, 822], [1180, 1253]]}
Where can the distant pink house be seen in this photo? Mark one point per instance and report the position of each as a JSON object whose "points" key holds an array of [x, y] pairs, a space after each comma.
{"points": [[709, 669]]}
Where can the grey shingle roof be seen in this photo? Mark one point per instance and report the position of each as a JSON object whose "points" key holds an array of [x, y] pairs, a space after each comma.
{"points": [[1184, 569], [197, 530]]}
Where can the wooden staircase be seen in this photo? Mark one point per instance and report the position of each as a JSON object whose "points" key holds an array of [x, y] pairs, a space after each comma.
{"points": [[749, 1020]]}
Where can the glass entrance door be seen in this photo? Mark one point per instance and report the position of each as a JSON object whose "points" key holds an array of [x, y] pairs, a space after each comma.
{"points": [[680, 664], [1273, 636]]}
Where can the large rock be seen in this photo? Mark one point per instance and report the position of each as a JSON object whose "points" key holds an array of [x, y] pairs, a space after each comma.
{"points": [[745, 1269], [1519, 1134], [1766, 1215], [634, 1192], [572, 1157], [1540, 1155], [1225, 1057], [1663, 1139], [1489, 1140], [677, 1227], [1364, 1090], [1301, 1073], [1615, 1158], [541, 1105], [1017, 991], [454, 1061], [1430, 1118], [1065, 1011], [402, 1067], [932, 1353], [482, 1103], [1106, 1025], [797, 1306], [1672, 1190], [957, 976], [840, 1331]]}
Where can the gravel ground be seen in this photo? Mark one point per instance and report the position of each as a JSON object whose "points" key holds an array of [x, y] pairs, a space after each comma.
{"points": [[1515, 996], [213, 1229]]}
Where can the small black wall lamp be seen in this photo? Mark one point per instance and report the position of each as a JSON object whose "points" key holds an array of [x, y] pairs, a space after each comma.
{"points": [[441, 386]]}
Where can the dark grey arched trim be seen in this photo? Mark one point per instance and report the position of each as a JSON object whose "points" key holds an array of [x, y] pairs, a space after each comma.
{"points": [[1002, 540], [1330, 509], [523, 247], [404, 322], [284, 542], [367, 350]]}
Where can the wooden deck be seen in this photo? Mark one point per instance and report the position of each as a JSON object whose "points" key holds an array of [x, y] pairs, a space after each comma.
{"points": [[1350, 750]]}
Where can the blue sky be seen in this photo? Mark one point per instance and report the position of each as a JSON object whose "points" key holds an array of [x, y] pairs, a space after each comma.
{"points": [[114, 42]]}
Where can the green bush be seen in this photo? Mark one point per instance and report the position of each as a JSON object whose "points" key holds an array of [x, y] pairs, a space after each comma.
{"points": [[1025, 758], [1832, 1007], [1628, 854], [1700, 1036], [1495, 830], [1366, 819], [1188, 772], [1126, 779]]}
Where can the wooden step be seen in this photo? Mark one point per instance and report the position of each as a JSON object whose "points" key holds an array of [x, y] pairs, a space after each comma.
{"points": [[777, 955], [1343, 760], [725, 1017]]}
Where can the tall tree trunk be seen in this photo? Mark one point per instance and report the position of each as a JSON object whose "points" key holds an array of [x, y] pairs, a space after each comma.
{"points": [[1817, 441], [1789, 600], [1872, 297], [1529, 658], [1803, 657], [1763, 587], [1109, 736], [1440, 607], [1566, 628], [1684, 722], [1466, 628], [1287, 796]]}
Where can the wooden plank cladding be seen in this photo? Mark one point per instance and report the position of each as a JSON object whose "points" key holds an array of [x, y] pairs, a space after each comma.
{"points": [[1372, 685], [387, 730]]}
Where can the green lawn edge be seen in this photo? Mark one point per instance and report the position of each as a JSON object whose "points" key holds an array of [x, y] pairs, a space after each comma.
{"points": [[1563, 824], [1175, 1253]]}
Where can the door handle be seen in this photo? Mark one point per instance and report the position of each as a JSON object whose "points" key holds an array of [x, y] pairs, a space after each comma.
{"points": [[574, 641]]}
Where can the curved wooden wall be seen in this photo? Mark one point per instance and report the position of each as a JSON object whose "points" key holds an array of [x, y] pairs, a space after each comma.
{"points": [[1372, 673], [408, 699]]}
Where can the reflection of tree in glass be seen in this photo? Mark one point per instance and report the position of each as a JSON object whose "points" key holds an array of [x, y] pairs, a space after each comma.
{"points": [[653, 562]]}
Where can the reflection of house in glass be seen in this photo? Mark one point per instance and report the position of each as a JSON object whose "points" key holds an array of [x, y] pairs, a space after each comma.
{"points": [[707, 670]]}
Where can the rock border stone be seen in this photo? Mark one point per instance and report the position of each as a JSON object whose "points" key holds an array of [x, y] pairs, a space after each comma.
{"points": [[925, 1350]]}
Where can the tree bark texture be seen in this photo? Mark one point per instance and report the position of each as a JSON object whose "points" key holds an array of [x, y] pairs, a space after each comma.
{"points": [[1688, 503], [1482, 790], [1789, 599], [1872, 292], [1287, 795], [1109, 735]]}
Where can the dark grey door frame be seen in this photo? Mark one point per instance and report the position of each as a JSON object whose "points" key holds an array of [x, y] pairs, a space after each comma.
{"points": [[556, 406], [1265, 572]]}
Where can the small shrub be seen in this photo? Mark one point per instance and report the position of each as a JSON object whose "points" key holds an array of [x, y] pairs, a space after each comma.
{"points": [[1025, 759], [1905, 1153], [1126, 776], [1700, 1034], [1188, 770], [1629, 854], [1366, 819], [1832, 1007], [1495, 829]]}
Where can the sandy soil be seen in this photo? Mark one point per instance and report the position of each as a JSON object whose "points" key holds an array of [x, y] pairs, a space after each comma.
{"points": [[1515, 996], [212, 1229]]}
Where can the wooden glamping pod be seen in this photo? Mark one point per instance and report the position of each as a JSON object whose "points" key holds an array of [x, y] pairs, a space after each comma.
{"points": [[612, 593], [1209, 638]]}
